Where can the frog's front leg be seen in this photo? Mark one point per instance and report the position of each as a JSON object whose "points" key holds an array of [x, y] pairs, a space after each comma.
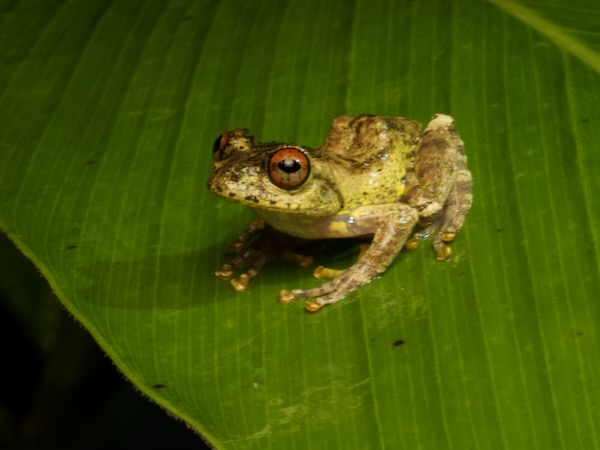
{"points": [[256, 227], [270, 245], [390, 224]]}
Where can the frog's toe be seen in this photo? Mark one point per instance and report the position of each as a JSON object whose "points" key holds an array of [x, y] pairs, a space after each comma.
{"points": [[236, 246], [315, 304], [303, 261], [288, 296], [240, 283], [312, 305], [447, 236], [317, 297], [442, 251], [325, 272], [412, 243], [225, 272], [416, 238]]}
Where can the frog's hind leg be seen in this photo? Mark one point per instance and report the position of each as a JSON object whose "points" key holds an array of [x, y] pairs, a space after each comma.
{"points": [[442, 185], [456, 208], [443, 227]]}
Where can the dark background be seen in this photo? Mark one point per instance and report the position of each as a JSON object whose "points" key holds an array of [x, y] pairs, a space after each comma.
{"points": [[57, 388]]}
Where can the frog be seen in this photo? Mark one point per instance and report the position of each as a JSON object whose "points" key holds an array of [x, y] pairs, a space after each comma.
{"points": [[382, 178]]}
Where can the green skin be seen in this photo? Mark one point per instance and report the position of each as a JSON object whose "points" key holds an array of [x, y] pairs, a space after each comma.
{"points": [[374, 176]]}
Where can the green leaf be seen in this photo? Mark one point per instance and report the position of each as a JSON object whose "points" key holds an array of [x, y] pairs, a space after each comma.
{"points": [[109, 109]]}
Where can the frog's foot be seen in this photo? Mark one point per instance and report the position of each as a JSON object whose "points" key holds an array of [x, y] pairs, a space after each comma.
{"points": [[251, 260], [318, 297], [333, 291], [440, 240], [442, 251], [271, 245]]}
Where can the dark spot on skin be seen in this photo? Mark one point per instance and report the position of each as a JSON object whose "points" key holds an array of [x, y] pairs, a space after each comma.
{"points": [[71, 247], [231, 195], [158, 386], [251, 198], [398, 343], [89, 163], [273, 202]]}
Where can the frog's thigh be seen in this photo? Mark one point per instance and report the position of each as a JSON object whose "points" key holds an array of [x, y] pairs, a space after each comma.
{"points": [[439, 156]]}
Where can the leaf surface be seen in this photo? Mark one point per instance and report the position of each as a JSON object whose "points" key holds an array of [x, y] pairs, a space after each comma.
{"points": [[108, 112]]}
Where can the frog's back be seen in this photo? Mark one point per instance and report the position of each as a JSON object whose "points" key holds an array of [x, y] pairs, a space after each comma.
{"points": [[365, 157]]}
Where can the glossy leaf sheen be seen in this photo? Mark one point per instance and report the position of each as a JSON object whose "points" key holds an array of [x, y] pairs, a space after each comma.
{"points": [[108, 113]]}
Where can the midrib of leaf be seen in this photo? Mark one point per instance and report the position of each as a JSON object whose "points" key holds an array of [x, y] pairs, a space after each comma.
{"points": [[553, 32]]}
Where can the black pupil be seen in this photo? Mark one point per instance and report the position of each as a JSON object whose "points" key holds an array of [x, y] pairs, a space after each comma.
{"points": [[289, 165]]}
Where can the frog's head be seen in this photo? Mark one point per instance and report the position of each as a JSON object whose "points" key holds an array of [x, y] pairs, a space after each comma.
{"points": [[271, 176]]}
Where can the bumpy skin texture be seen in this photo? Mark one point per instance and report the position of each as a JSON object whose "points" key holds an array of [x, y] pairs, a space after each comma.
{"points": [[374, 176]]}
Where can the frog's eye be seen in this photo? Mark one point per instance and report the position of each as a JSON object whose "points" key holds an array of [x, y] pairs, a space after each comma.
{"points": [[289, 168], [219, 146]]}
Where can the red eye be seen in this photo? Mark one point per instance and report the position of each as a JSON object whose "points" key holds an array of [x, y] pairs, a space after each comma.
{"points": [[219, 146], [289, 168]]}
